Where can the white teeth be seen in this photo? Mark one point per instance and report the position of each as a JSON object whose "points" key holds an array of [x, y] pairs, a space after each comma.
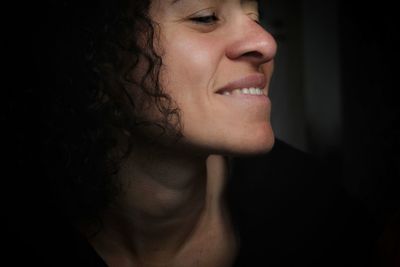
{"points": [[245, 91], [236, 92]]}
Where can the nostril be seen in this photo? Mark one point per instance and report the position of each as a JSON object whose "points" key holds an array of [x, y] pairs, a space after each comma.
{"points": [[254, 54]]}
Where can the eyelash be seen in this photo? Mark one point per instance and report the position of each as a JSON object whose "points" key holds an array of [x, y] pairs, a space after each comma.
{"points": [[205, 19]]}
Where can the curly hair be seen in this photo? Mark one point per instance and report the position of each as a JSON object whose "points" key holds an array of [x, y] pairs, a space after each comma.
{"points": [[88, 56]]}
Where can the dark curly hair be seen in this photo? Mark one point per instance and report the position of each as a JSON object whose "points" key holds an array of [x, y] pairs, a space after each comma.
{"points": [[88, 55]]}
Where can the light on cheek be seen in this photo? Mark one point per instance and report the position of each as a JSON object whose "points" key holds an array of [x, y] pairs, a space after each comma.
{"points": [[189, 60]]}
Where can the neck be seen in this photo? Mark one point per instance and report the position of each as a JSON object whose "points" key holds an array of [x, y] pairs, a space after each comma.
{"points": [[166, 201]]}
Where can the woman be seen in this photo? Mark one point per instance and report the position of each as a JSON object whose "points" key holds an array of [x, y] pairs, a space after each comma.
{"points": [[144, 105], [154, 97]]}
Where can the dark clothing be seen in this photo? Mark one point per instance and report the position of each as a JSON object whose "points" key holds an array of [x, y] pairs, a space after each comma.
{"points": [[288, 208], [292, 211]]}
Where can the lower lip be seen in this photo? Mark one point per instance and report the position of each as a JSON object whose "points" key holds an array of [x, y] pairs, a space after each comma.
{"points": [[245, 99]]}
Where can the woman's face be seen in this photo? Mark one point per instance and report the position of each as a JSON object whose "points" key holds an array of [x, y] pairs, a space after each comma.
{"points": [[210, 48]]}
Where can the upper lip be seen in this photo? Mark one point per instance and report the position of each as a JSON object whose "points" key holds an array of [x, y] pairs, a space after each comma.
{"points": [[254, 80]]}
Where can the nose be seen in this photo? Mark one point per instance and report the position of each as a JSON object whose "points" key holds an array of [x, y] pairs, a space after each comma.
{"points": [[252, 43]]}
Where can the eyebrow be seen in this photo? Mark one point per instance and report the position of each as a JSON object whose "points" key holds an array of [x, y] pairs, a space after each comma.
{"points": [[174, 2]]}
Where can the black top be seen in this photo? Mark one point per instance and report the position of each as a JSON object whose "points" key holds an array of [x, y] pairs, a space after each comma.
{"points": [[293, 211], [288, 208]]}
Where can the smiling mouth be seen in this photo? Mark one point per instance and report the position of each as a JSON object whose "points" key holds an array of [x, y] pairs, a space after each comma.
{"points": [[253, 84], [245, 91]]}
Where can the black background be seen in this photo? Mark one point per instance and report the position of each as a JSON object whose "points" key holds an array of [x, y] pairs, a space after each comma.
{"points": [[370, 84]]}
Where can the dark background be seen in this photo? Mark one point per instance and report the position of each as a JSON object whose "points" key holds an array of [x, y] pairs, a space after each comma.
{"points": [[334, 91], [333, 95]]}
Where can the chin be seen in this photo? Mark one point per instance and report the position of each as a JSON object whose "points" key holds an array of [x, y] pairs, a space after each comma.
{"points": [[255, 148], [231, 143], [251, 145]]}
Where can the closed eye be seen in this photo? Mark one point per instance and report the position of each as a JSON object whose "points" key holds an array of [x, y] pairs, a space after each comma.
{"points": [[205, 19]]}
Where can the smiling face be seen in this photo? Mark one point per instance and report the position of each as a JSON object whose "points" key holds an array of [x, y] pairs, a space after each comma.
{"points": [[211, 48]]}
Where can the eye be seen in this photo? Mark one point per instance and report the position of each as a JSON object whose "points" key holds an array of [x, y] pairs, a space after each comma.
{"points": [[258, 22], [210, 19], [255, 17]]}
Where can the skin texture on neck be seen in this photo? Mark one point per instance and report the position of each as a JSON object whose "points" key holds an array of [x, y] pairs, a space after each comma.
{"points": [[171, 213]]}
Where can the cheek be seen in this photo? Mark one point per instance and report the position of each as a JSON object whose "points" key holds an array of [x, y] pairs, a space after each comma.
{"points": [[189, 65], [189, 70]]}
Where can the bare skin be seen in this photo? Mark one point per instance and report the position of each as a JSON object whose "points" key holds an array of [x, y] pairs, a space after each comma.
{"points": [[173, 211], [159, 223]]}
